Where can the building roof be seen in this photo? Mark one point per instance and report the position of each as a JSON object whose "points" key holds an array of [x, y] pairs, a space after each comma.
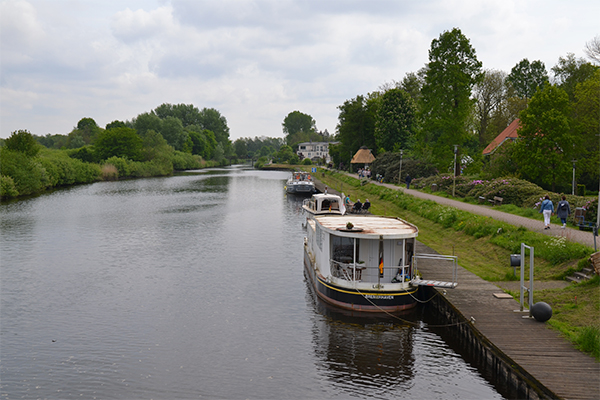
{"points": [[363, 156], [510, 133]]}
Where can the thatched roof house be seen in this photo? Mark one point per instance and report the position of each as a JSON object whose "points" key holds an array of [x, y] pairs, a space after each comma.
{"points": [[363, 156]]}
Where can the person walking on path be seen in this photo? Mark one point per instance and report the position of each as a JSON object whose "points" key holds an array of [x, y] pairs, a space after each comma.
{"points": [[408, 180], [563, 210], [547, 209]]}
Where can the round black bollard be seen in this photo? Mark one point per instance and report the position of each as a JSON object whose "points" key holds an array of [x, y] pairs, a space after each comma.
{"points": [[541, 311]]}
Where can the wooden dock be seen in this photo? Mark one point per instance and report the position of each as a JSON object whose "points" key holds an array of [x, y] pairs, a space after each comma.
{"points": [[527, 344]]}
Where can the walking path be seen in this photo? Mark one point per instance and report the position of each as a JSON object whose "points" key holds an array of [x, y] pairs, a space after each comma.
{"points": [[574, 235]]}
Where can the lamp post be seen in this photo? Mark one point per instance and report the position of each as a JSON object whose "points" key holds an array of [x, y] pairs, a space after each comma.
{"points": [[573, 185], [400, 172], [454, 178]]}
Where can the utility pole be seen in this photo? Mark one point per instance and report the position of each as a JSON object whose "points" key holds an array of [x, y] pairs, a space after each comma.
{"points": [[454, 178], [400, 172], [573, 186]]}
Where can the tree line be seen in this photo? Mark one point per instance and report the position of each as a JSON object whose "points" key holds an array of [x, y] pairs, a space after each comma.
{"points": [[453, 104], [155, 143]]}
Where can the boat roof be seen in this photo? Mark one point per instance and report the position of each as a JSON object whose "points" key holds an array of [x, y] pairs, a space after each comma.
{"points": [[326, 196], [368, 226]]}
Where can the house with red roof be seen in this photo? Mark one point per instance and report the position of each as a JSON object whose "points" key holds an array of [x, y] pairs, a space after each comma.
{"points": [[510, 133]]}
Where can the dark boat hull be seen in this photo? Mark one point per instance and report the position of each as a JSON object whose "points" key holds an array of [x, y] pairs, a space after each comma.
{"points": [[364, 301]]}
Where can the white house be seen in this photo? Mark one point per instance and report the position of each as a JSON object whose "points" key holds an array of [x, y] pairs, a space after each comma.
{"points": [[315, 151]]}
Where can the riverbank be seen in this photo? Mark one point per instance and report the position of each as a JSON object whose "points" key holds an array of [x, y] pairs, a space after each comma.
{"points": [[575, 307]]}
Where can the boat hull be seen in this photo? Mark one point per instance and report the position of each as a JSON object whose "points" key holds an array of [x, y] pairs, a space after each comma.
{"points": [[372, 301]]}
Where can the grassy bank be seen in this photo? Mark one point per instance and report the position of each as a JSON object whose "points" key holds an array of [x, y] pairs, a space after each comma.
{"points": [[484, 245]]}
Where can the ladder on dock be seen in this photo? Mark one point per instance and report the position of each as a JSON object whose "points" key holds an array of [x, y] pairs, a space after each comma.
{"points": [[439, 258]]}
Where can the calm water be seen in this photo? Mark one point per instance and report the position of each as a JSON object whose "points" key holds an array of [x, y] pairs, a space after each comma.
{"points": [[192, 287]]}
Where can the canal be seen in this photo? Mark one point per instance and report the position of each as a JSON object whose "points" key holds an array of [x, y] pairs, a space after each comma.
{"points": [[192, 286]]}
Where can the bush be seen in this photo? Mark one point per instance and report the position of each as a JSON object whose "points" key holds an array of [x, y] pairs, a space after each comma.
{"points": [[120, 164], [182, 161], [306, 161], [28, 175], [7, 187]]}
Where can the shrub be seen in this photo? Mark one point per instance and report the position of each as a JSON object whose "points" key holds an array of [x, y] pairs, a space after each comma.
{"points": [[28, 175], [109, 172], [120, 164], [306, 161], [7, 187]]}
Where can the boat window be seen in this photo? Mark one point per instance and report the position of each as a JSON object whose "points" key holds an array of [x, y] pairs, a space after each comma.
{"points": [[343, 249]]}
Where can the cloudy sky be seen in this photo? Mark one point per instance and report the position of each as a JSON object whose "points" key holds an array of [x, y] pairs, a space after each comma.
{"points": [[253, 60]]}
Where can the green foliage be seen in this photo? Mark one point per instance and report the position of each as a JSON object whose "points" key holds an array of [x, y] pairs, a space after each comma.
{"points": [[85, 153], [7, 187], [261, 162], [446, 108], [63, 170], [24, 142], [27, 173], [183, 161], [356, 128], [588, 340], [297, 121], [546, 141], [526, 78], [396, 120], [581, 190], [121, 164], [119, 142], [116, 124], [306, 161], [388, 165]]}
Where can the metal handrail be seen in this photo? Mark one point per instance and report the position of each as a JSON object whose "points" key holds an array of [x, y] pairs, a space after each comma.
{"points": [[439, 257]]}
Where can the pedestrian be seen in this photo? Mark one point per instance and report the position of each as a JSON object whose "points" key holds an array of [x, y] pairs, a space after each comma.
{"points": [[563, 210], [547, 209], [325, 189], [408, 180]]}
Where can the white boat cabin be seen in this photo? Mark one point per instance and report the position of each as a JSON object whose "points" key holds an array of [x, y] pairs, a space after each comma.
{"points": [[324, 204], [368, 252]]}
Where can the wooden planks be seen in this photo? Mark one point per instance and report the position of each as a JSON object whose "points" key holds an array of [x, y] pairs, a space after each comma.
{"points": [[535, 347]]}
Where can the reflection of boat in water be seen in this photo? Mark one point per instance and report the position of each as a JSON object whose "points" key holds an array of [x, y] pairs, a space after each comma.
{"points": [[358, 353], [364, 263], [324, 203], [300, 183]]}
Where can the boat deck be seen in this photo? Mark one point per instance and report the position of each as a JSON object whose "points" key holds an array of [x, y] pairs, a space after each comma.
{"points": [[539, 350]]}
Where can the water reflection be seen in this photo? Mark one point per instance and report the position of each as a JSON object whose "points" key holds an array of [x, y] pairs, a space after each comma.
{"points": [[360, 353]]}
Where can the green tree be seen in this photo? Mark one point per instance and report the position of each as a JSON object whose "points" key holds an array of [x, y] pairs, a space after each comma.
{"points": [[187, 113], [23, 142], [212, 120], [570, 71], [396, 120], [586, 125], [297, 121], [241, 149], [527, 77], [87, 129], [489, 94], [119, 142], [173, 132], [546, 142], [446, 105], [146, 121], [355, 128], [115, 124]]}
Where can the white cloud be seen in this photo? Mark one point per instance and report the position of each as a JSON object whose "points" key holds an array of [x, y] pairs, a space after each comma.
{"points": [[253, 60]]}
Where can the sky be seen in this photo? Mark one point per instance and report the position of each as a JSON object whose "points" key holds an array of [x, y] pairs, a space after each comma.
{"points": [[254, 61]]}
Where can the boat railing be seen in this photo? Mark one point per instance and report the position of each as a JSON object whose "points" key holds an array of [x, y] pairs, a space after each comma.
{"points": [[360, 272]]}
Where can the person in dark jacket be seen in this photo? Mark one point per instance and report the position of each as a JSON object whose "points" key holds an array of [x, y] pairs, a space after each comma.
{"points": [[408, 180], [563, 210]]}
